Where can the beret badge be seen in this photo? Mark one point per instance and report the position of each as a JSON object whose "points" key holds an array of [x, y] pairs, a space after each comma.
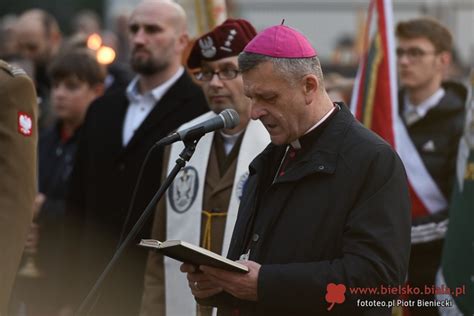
{"points": [[207, 47]]}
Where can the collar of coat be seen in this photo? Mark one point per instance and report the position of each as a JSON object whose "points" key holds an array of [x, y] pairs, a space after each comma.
{"points": [[319, 152]]}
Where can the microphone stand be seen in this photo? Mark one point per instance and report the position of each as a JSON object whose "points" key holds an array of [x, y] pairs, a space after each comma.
{"points": [[184, 156]]}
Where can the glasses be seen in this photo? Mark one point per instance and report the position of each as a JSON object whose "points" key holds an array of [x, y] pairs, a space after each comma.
{"points": [[225, 74], [413, 53]]}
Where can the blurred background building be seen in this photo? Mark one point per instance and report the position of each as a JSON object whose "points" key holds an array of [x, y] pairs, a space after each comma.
{"points": [[332, 25]]}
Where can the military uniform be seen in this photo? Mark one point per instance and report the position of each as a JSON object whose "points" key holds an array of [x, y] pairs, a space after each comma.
{"points": [[217, 192], [201, 204], [18, 138]]}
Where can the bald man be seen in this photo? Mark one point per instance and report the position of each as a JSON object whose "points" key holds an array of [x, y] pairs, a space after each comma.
{"points": [[38, 36], [39, 39], [118, 131]]}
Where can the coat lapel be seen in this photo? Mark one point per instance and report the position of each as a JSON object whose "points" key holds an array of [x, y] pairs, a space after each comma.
{"points": [[169, 103], [115, 123]]}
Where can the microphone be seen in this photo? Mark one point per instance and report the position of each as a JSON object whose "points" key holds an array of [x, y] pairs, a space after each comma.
{"points": [[228, 118]]}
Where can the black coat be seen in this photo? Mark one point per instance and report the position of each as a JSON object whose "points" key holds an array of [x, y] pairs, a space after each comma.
{"points": [[340, 214], [102, 183], [443, 125]]}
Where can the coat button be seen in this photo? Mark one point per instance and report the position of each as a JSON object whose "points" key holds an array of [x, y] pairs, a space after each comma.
{"points": [[255, 237]]}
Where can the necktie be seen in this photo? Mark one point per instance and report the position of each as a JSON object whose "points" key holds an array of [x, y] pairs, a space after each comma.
{"points": [[411, 117]]}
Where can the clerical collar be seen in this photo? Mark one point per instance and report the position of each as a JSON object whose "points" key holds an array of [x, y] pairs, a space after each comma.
{"points": [[230, 140], [296, 144]]}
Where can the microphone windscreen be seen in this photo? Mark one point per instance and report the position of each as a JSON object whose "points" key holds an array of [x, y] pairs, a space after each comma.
{"points": [[231, 118]]}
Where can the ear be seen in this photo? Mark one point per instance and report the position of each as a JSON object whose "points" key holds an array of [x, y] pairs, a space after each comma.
{"points": [[182, 42], [445, 58], [310, 87], [55, 38], [99, 89]]}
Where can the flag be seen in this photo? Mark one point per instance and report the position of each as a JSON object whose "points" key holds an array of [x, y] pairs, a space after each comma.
{"points": [[375, 103], [458, 254], [210, 13], [374, 98]]}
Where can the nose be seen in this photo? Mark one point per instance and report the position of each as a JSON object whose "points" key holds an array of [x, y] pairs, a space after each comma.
{"points": [[138, 38], [58, 90], [215, 81], [256, 111], [403, 59], [57, 93]]}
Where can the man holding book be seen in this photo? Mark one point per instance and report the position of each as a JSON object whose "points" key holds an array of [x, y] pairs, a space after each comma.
{"points": [[326, 207], [201, 205]]}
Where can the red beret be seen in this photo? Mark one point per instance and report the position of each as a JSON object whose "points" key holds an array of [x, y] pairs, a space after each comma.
{"points": [[225, 40]]}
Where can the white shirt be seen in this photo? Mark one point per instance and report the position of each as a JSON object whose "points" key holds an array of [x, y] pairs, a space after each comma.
{"points": [[423, 108], [230, 140], [140, 105]]}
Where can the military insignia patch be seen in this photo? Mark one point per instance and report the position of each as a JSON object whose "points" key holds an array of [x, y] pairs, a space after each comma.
{"points": [[183, 191], [228, 42], [207, 47], [25, 124], [240, 187]]}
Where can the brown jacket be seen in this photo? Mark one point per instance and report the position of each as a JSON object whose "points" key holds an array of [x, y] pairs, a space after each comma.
{"points": [[18, 138], [217, 193]]}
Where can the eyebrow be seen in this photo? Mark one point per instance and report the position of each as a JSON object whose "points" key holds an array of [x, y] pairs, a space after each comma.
{"points": [[135, 26]]}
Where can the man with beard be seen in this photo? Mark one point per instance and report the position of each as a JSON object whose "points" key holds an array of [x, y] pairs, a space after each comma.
{"points": [[118, 131]]}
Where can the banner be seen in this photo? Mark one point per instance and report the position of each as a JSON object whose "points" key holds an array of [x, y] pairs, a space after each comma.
{"points": [[458, 255], [375, 103]]}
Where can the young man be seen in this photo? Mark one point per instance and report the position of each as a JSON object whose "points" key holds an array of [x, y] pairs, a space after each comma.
{"points": [[77, 79], [220, 166], [434, 113], [326, 202], [119, 130]]}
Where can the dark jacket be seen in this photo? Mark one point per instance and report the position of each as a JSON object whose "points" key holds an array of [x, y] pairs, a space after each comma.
{"points": [[56, 160], [340, 214], [102, 183], [443, 125]]}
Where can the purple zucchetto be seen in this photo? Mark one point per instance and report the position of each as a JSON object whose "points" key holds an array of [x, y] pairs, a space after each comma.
{"points": [[281, 41]]}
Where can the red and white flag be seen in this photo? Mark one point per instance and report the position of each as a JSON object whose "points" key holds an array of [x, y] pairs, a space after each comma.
{"points": [[375, 104]]}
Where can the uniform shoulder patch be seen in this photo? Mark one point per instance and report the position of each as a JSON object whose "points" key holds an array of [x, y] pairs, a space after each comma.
{"points": [[12, 70], [25, 124]]}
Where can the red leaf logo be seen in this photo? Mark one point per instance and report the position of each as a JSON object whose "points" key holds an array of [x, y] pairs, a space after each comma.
{"points": [[335, 294]]}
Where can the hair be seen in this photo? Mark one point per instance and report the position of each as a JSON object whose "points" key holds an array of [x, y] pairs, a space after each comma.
{"points": [[291, 69], [428, 28], [78, 62]]}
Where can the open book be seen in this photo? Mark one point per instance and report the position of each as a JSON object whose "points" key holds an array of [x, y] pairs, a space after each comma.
{"points": [[186, 252]]}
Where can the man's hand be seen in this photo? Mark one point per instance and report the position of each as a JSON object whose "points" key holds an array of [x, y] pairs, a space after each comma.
{"points": [[201, 286], [242, 286]]}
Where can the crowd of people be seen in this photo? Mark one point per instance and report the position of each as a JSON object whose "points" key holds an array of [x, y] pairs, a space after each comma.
{"points": [[299, 191]]}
